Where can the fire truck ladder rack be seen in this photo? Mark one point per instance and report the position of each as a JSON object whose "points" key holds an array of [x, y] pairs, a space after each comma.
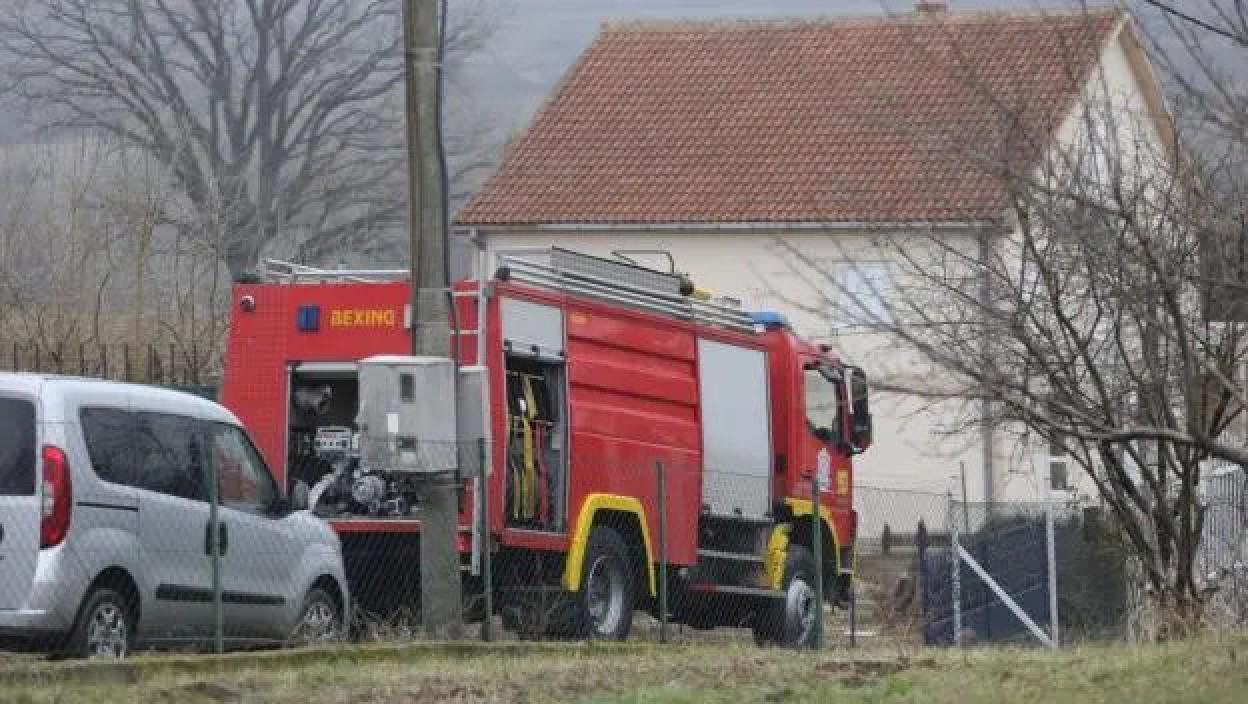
{"points": [[622, 283], [279, 271]]}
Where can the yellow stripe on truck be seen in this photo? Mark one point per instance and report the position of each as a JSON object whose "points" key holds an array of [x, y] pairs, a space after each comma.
{"points": [[594, 503], [803, 507], [777, 553]]}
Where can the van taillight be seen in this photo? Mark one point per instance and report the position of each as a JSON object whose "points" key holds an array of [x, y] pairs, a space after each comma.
{"points": [[57, 497]]}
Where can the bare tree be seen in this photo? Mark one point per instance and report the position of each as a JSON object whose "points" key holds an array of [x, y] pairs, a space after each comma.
{"points": [[289, 105], [56, 272], [92, 269], [1084, 317]]}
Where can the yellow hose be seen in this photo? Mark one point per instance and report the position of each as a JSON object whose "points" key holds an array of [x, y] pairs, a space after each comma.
{"points": [[530, 465]]}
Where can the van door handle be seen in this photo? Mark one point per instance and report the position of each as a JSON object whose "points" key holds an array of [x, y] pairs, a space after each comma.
{"points": [[223, 538]]}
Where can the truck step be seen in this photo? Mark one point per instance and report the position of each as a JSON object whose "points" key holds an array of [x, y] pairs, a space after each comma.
{"points": [[740, 591], [725, 555]]}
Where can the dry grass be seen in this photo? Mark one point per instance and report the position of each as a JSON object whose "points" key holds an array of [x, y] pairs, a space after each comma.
{"points": [[1208, 670]]}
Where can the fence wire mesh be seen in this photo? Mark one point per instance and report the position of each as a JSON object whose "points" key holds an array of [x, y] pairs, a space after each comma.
{"points": [[1020, 564], [894, 527], [186, 365], [209, 546], [1222, 561]]}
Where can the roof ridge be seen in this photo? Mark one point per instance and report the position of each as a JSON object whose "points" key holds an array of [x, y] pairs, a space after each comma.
{"points": [[751, 23]]}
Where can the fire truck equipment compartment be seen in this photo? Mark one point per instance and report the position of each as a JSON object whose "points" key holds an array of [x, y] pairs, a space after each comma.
{"points": [[532, 329], [736, 430]]}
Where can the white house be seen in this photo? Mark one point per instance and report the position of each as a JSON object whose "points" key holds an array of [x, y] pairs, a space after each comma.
{"points": [[714, 141]]}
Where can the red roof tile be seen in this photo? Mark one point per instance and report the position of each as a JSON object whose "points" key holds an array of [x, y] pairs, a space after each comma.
{"points": [[815, 121]]}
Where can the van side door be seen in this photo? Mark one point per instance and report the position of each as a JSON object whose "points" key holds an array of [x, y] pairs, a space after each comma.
{"points": [[173, 524], [261, 570]]}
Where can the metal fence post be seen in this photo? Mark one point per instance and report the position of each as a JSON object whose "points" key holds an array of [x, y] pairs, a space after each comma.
{"points": [[922, 541], [486, 547], [214, 552], [662, 500], [1051, 550], [816, 544], [853, 613], [956, 574]]}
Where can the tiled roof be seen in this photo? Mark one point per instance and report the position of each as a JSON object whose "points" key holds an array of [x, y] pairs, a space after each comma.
{"points": [[800, 121]]}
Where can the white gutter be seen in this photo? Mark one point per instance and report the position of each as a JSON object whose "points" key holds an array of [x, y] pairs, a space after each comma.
{"points": [[734, 226]]}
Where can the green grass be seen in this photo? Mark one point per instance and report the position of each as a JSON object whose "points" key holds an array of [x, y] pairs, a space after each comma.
{"points": [[1208, 670]]}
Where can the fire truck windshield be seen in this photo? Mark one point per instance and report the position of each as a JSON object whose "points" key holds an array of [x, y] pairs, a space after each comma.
{"points": [[822, 402]]}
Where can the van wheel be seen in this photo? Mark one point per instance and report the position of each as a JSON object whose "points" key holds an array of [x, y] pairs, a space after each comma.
{"points": [[320, 620], [105, 628]]}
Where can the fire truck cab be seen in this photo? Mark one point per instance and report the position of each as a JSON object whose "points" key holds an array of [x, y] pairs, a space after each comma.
{"points": [[594, 374]]}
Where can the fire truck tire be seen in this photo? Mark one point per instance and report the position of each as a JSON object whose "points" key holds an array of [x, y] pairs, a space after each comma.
{"points": [[790, 621], [603, 608]]}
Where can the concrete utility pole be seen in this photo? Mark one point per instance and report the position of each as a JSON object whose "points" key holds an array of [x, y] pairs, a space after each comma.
{"points": [[441, 608]]}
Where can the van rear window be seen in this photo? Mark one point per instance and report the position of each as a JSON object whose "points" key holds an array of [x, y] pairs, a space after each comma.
{"points": [[17, 447]]}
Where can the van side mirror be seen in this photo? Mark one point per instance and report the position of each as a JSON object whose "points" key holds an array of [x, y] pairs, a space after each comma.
{"points": [[860, 407]]}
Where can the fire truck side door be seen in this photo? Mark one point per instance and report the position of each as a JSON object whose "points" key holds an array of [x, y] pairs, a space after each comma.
{"points": [[824, 438]]}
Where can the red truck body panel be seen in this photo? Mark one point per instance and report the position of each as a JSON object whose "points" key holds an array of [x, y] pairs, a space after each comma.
{"points": [[633, 396], [263, 343]]}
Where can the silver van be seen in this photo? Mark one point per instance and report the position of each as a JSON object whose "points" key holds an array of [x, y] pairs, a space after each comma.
{"points": [[104, 525]]}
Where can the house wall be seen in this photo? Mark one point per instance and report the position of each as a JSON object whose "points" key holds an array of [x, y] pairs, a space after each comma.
{"points": [[1112, 136]]}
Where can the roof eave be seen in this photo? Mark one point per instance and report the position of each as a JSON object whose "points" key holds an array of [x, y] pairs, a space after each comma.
{"points": [[731, 227]]}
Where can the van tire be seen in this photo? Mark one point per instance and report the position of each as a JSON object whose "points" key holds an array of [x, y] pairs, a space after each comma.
{"points": [[105, 626], [320, 620]]}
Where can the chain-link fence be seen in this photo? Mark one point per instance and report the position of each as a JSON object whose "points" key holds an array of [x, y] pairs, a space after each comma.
{"points": [[906, 567], [168, 528], [1223, 558], [185, 366], [1023, 572], [894, 526]]}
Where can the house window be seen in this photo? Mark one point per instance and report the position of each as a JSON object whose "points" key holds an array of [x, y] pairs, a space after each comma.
{"points": [[861, 290], [1058, 480], [846, 294], [1059, 465]]}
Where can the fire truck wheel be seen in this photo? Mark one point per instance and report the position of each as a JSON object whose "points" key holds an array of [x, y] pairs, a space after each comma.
{"points": [[791, 621], [607, 590]]}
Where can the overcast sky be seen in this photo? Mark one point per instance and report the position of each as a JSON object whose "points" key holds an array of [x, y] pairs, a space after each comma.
{"points": [[538, 40]]}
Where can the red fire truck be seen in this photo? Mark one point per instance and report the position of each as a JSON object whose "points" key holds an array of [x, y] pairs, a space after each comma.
{"points": [[596, 372]]}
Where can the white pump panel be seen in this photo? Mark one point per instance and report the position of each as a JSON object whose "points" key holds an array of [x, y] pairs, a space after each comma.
{"points": [[406, 420]]}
